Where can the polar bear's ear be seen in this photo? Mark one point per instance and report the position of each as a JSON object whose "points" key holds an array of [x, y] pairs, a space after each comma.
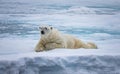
{"points": [[51, 28]]}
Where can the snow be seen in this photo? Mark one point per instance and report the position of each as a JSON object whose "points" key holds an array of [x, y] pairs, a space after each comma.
{"points": [[91, 21], [65, 65]]}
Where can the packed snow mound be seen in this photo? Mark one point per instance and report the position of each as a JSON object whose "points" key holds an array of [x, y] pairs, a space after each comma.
{"points": [[62, 65]]}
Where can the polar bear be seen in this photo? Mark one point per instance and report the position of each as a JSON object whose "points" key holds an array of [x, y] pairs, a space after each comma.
{"points": [[51, 38]]}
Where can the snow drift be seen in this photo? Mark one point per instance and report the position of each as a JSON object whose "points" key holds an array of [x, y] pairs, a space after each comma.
{"points": [[62, 65]]}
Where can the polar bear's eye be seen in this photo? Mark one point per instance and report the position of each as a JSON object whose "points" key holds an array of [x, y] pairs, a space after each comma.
{"points": [[51, 28], [45, 28]]}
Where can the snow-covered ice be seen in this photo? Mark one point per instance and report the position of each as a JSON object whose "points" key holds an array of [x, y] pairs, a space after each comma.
{"points": [[97, 21], [62, 65]]}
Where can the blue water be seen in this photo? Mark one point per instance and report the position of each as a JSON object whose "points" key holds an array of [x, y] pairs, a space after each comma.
{"points": [[15, 14]]}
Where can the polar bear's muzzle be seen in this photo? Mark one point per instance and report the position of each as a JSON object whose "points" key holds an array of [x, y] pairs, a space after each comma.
{"points": [[42, 32]]}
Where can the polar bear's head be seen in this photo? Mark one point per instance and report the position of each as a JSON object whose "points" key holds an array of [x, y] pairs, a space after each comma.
{"points": [[45, 30]]}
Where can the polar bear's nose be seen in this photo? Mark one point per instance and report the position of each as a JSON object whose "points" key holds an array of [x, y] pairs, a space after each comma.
{"points": [[42, 32]]}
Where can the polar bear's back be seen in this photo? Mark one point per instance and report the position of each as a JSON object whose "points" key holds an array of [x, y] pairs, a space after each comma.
{"points": [[72, 42], [69, 41]]}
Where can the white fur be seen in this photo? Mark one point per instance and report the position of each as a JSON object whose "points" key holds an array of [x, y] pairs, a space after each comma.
{"points": [[54, 39]]}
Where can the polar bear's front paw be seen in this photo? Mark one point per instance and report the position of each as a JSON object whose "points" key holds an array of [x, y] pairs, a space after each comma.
{"points": [[39, 50]]}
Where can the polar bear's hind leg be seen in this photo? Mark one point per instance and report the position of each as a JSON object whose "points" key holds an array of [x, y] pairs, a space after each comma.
{"points": [[90, 45]]}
